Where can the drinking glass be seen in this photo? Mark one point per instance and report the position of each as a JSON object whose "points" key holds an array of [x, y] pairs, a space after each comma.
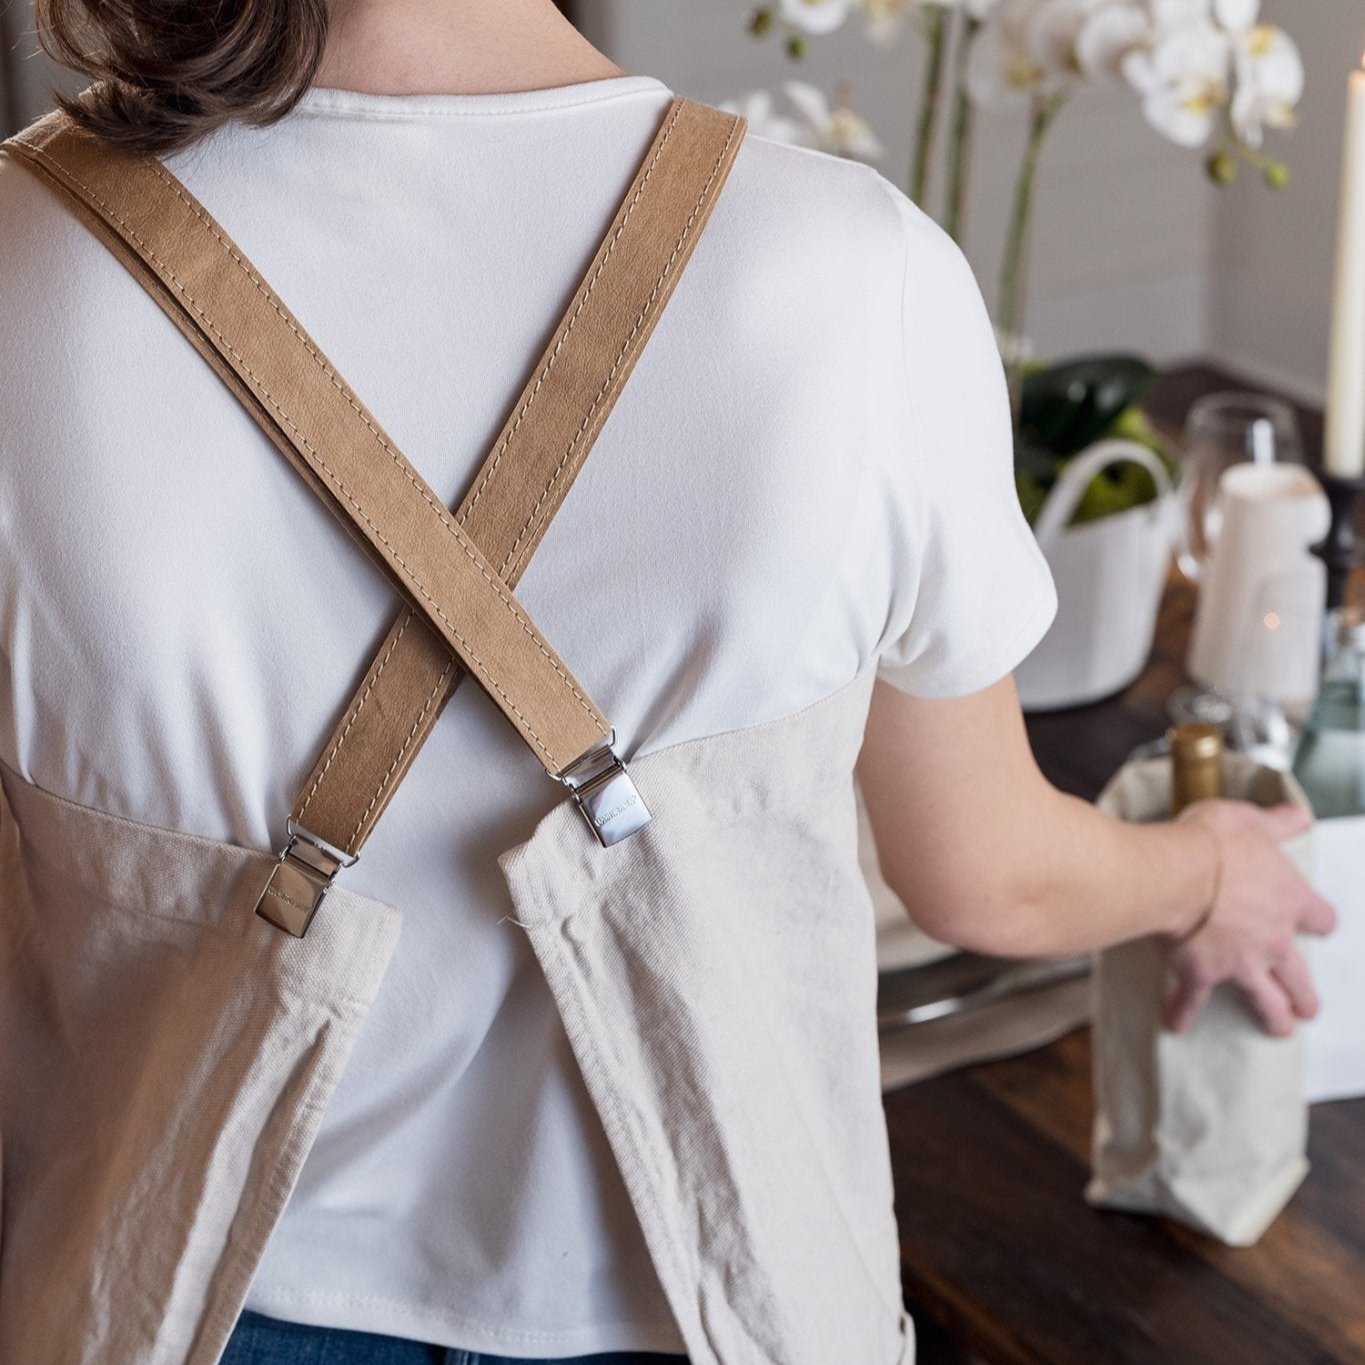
{"points": [[1222, 430]]}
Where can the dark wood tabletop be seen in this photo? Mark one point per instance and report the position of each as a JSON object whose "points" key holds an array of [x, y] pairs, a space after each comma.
{"points": [[1002, 1259]]}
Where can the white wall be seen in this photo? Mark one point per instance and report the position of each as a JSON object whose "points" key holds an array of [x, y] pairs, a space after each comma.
{"points": [[1272, 287], [1124, 231], [27, 75]]}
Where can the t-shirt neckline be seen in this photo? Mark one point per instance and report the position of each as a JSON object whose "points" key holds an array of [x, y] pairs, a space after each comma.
{"points": [[329, 100]]}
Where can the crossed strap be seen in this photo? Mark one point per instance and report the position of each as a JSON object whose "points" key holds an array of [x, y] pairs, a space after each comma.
{"points": [[455, 571]]}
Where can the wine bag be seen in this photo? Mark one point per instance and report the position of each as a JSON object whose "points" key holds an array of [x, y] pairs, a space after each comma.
{"points": [[1208, 1127]]}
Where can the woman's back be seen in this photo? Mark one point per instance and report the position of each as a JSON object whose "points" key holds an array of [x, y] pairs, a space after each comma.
{"points": [[807, 472]]}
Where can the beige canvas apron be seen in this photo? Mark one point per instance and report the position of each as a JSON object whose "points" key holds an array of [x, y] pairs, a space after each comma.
{"points": [[166, 1054]]}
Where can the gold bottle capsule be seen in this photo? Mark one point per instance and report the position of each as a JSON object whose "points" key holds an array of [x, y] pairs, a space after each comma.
{"points": [[1196, 764]]}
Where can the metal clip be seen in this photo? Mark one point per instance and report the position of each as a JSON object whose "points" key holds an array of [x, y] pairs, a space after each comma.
{"points": [[300, 880], [604, 792]]}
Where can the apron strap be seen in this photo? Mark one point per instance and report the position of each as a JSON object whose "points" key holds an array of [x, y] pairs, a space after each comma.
{"points": [[223, 306], [532, 465]]}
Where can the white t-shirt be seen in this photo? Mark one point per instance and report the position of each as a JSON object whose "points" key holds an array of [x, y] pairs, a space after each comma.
{"points": [[809, 469]]}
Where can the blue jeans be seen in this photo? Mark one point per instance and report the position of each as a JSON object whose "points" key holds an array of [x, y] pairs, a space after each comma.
{"points": [[259, 1340]]}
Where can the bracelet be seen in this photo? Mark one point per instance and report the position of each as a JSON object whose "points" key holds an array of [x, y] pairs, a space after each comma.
{"points": [[1217, 881]]}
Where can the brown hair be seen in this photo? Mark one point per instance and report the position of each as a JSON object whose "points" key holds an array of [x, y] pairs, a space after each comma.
{"points": [[168, 71]]}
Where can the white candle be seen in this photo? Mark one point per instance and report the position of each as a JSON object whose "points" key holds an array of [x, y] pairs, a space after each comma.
{"points": [[1345, 447]]}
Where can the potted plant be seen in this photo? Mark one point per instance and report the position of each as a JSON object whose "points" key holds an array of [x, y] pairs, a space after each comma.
{"points": [[1098, 489]]}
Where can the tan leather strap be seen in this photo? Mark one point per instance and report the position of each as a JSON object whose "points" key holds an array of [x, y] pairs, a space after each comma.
{"points": [[531, 466], [216, 296], [456, 572], [224, 306]]}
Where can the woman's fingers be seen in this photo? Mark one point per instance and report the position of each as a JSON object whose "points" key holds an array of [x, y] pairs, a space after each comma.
{"points": [[1271, 1001], [1285, 822], [1294, 978], [1188, 996], [1248, 935], [1318, 916]]}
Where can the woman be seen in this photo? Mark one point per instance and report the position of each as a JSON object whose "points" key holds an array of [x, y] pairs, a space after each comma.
{"points": [[808, 477]]}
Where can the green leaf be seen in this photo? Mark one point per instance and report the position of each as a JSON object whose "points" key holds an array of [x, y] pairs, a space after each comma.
{"points": [[1067, 407]]}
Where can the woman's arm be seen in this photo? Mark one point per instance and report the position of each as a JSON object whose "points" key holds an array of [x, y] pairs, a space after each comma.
{"points": [[987, 854]]}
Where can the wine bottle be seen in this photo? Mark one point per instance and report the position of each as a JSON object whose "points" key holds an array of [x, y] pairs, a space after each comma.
{"points": [[1196, 764], [1330, 760]]}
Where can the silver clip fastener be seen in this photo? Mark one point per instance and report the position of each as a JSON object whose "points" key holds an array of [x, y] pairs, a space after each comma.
{"points": [[609, 800], [300, 880]]}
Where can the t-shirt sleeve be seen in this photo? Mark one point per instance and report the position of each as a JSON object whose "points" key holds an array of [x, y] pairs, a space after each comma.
{"points": [[971, 592]]}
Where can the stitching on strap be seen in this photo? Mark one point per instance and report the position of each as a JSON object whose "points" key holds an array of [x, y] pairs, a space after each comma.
{"points": [[436, 505], [359, 707], [340, 484], [407, 744], [492, 467], [553, 356], [629, 342], [490, 470], [442, 513]]}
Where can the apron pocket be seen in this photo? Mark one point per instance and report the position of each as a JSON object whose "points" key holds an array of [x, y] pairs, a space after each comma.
{"points": [[165, 1059]]}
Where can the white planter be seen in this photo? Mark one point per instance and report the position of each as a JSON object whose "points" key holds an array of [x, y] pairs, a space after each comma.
{"points": [[1110, 575]]}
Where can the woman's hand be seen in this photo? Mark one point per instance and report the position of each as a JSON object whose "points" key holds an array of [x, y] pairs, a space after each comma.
{"points": [[1259, 903], [988, 855]]}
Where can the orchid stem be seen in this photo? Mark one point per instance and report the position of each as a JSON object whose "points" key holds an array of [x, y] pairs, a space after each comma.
{"points": [[931, 102], [1014, 272], [964, 121]]}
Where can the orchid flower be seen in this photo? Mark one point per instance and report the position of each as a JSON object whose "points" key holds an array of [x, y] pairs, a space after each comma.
{"points": [[1183, 79], [837, 129], [1195, 62], [883, 19], [1053, 33], [756, 108], [815, 16], [1003, 66], [1270, 81], [1108, 35], [834, 129], [1203, 70]]}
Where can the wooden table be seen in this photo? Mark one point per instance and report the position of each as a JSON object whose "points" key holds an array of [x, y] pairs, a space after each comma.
{"points": [[1001, 1258]]}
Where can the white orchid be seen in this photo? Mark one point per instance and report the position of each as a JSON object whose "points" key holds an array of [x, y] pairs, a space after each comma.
{"points": [[1053, 32], [825, 127], [836, 128], [1007, 63], [1172, 14], [1108, 35], [815, 16], [1201, 68], [1270, 81], [1236, 15], [756, 108], [1183, 76], [884, 18], [1195, 62]]}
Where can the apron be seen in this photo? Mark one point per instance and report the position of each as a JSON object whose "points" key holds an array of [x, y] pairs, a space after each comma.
{"points": [[175, 1012]]}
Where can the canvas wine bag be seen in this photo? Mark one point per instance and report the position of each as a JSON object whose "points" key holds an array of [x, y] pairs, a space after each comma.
{"points": [[1208, 1127]]}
